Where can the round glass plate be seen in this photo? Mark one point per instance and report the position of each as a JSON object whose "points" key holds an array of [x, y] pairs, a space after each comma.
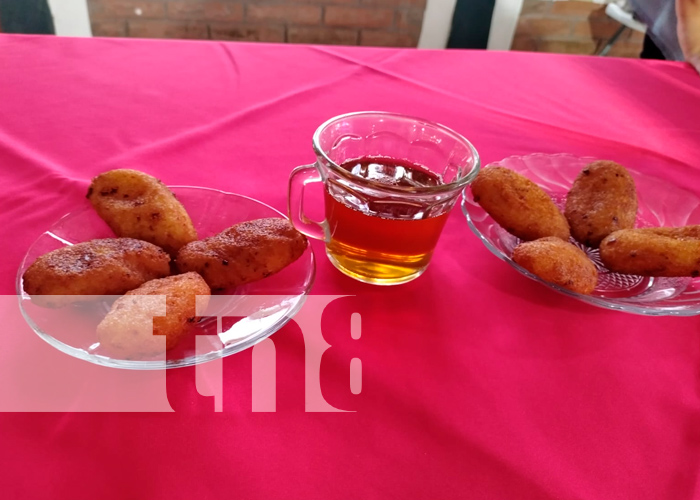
{"points": [[235, 319], [661, 203]]}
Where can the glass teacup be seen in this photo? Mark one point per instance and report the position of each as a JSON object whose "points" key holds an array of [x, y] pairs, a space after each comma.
{"points": [[390, 182]]}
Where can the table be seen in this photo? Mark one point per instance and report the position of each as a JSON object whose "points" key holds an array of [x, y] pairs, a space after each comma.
{"points": [[476, 382]]}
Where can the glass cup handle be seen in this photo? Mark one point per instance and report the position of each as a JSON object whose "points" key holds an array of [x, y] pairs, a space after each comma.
{"points": [[298, 179]]}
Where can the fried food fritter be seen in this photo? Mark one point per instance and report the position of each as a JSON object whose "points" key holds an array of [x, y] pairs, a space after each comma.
{"points": [[603, 199], [243, 253], [136, 205], [653, 251], [519, 205], [558, 262], [109, 266], [129, 332]]}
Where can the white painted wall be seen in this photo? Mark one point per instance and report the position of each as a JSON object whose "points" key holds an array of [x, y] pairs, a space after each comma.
{"points": [[70, 17], [437, 21], [503, 24]]}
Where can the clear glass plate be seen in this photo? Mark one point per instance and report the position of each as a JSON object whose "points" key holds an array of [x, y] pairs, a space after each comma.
{"points": [[247, 314], [661, 203]]}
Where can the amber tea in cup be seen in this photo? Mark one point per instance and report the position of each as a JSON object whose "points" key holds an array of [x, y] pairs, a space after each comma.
{"points": [[390, 182]]}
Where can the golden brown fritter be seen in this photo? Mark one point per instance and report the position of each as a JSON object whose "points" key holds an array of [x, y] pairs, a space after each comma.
{"points": [[603, 199], [653, 251], [109, 266], [243, 253], [518, 205], [136, 205], [558, 262], [131, 328]]}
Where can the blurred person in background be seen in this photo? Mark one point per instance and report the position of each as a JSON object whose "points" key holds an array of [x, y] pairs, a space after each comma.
{"points": [[689, 30], [673, 29]]}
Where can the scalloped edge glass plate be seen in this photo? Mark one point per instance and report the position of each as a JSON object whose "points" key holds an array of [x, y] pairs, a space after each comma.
{"points": [[661, 203], [268, 304]]}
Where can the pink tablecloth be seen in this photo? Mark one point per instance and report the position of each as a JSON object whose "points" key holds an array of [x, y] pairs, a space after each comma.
{"points": [[477, 382]]}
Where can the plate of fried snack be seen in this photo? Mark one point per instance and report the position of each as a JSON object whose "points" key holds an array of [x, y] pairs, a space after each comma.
{"points": [[146, 276], [592, 229]]}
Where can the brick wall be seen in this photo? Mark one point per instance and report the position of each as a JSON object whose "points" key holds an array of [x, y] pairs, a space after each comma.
{"points": [[571, 27], [394, 23]]}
